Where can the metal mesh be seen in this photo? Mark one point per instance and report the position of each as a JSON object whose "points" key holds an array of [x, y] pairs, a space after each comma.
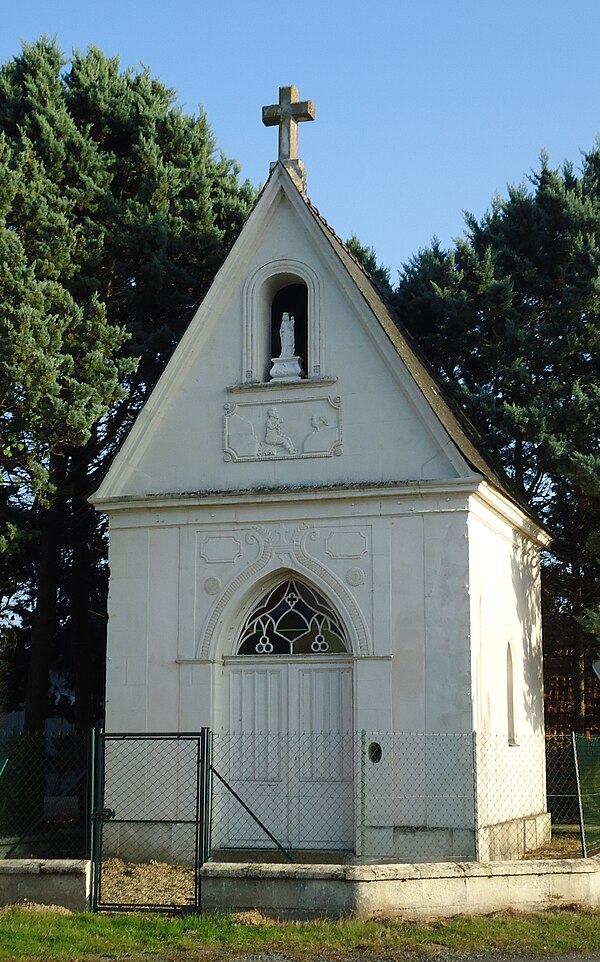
{"points": [[390, 796], [511, 796], [291, 790], [149, 813], [376, 795], [44, 801], [416, 797], [561, 786]]}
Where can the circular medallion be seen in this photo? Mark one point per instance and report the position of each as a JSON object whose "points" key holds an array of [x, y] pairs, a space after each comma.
{"points": [[355, 577], [212, 586]]}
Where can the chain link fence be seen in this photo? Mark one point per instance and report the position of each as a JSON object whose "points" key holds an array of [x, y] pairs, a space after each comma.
{"points": [[561, 789], [44, 796], [331, 796], [391, 796], [416, 798], [292, 792], [512, 814]]}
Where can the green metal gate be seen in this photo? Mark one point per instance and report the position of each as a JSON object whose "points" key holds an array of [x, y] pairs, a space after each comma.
{"points": [[150, 820]]}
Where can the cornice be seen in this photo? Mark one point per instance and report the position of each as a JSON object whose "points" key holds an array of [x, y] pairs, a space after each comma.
{"points": [[350, 492]]}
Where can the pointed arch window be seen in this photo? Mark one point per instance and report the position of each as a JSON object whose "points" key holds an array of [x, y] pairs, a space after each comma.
{"points": [[292, 619]]}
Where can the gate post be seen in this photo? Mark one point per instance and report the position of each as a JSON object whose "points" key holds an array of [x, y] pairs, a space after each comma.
{"points": [[97, 802]]}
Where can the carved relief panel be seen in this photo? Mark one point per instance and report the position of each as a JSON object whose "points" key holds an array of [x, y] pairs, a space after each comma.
{"points": [[303, 428]]}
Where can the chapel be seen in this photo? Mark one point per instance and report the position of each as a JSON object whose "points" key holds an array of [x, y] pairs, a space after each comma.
{"points": [[312, 556]]}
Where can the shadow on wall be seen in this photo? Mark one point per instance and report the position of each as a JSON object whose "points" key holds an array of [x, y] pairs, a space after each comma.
{"points": [[525, 580]]}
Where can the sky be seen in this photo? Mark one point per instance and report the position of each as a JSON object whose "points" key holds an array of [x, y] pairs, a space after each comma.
{"points": [[425, 108]]}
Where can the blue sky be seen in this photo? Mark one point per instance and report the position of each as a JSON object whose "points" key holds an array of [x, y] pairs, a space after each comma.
{"points": [[425, 108]]}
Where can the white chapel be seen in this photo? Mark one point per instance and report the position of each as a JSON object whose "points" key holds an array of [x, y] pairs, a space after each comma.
{"points": [[308, 548]]}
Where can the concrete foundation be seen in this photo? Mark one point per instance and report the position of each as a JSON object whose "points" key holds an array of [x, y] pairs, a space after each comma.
{"points": [[64, 882], [400, 891], [411, 891]]}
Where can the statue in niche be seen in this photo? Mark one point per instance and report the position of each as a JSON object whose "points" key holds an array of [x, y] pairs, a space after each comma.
{"points": [[287, 367], [275, 439], [286, 335]]}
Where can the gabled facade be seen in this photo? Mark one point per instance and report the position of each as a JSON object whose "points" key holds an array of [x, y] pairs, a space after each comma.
{"points": [[305, 540]]}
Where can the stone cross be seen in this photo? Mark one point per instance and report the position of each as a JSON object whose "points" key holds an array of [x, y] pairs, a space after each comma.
{"points": [[287, 114]]}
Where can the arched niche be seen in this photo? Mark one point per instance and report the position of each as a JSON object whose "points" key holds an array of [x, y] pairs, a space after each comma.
{"points": [[265, 292], [291, 299]]}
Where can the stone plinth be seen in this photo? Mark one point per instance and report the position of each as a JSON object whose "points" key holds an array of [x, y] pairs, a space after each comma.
{"points": [[64, 882], [286, 370], [400, 891]]}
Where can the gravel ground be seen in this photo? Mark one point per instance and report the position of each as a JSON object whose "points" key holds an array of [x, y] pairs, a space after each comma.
{"points": [[151, 883]]}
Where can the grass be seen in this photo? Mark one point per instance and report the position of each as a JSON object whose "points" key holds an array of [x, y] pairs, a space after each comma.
{"points": [[26, 936]]}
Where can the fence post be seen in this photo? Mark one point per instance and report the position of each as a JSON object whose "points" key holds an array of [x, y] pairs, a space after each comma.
{"points": [[363, 791], [97, 800], [203, 789], [579, 799], [208, 736], [475, 799], [90, 788]]}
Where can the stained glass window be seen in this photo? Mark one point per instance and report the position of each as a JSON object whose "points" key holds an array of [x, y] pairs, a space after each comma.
{"points": [[292, 619]]}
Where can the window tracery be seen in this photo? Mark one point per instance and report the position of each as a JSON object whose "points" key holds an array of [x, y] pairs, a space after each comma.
{"points": [[292, 619]]}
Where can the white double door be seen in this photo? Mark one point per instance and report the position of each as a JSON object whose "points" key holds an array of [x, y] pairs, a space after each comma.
{"points": [[289, 751]]}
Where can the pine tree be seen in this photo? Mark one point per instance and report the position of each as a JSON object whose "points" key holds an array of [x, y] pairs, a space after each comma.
{"points": [[511, 318], [367, 257], [128, 212]]}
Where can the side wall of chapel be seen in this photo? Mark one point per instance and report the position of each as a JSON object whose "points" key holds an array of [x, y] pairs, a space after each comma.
{"points": [[508, 710]]}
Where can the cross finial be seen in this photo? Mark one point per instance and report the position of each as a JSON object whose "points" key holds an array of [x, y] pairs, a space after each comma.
{"points": [[287, 114]]}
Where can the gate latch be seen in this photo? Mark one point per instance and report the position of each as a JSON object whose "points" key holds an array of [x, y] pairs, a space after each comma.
{"points": [[104, 814]]}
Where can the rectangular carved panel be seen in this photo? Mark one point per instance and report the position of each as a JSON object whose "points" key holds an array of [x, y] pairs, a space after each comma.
{"points": [[262, 430]]}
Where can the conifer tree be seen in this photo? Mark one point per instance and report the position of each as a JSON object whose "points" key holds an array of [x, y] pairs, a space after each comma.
{"points": [[510, 316], [367, 257], [117, 212]]}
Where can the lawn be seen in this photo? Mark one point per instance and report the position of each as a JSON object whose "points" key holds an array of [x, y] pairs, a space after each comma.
{"points": [[27, 935]]}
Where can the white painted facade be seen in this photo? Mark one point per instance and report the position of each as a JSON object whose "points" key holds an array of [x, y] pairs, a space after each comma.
{"points": [[371, 497]]}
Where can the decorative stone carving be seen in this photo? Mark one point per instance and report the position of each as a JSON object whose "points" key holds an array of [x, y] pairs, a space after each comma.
{"points": [[286, 544], [287, 367], [355, 577], [303, 428], [254, 307], [286, 335], [220, 549], [212, 586], [346, 544], [275, 439]]}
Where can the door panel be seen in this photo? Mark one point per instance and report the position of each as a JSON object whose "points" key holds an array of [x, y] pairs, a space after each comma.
{"points": [[290, 754], [257, 699], [324, 769], [256, 756]]}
